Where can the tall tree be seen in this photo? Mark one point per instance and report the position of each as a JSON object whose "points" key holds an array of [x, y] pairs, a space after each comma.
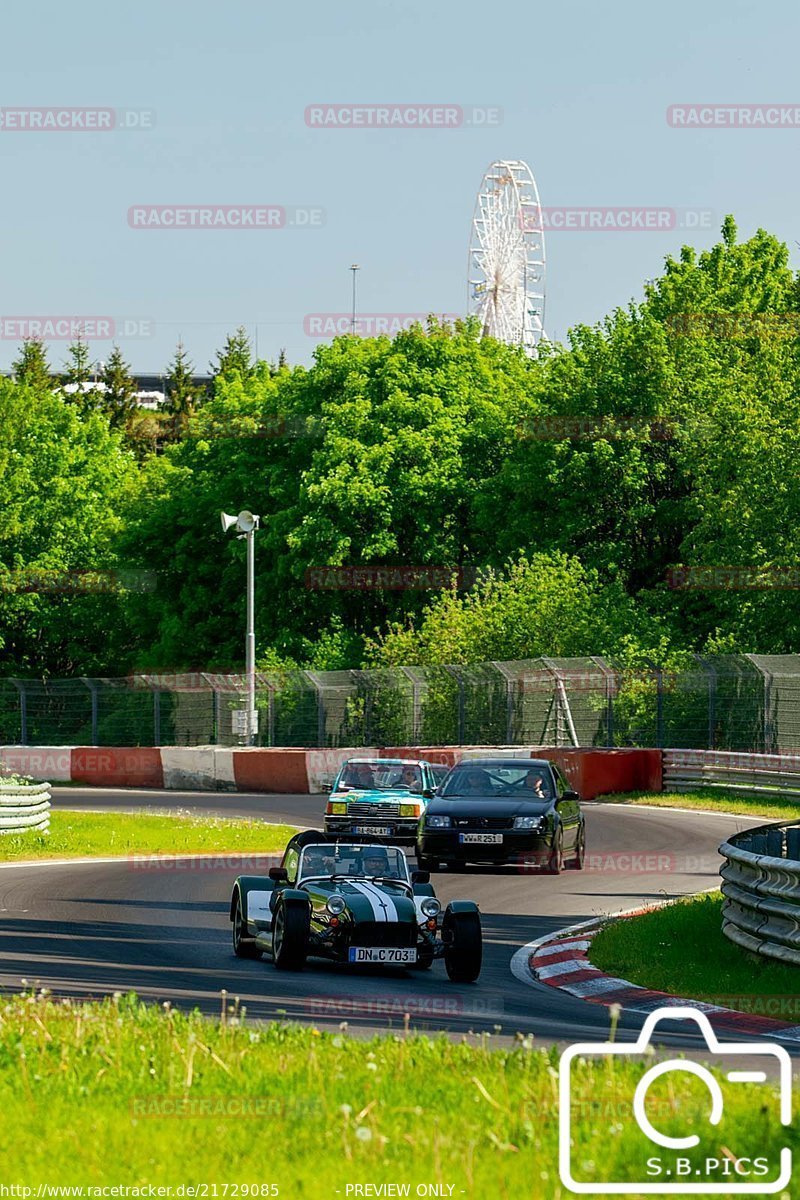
{"points": [[182, 393], [79, 377], [31, 366], [235, 357], [120, 395]]}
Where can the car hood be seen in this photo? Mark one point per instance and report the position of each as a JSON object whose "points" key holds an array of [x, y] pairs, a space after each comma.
{"points": [[379, 796], [367, 901], [494, 806]]}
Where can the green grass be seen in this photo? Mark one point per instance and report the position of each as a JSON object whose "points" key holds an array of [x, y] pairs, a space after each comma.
{"points": [[80, 834], [89, 1094], [681, 949], [710, 800]]}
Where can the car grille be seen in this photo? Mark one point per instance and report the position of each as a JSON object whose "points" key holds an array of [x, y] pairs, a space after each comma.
{"points": [[379, 933], [357, 808], [483, 824]]}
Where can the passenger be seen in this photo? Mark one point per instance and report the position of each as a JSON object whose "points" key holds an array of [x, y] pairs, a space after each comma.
{"points": [[316, 862], [375, 861]]}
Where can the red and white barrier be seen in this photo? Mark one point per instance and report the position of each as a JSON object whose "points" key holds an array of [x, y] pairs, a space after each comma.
{"points": [[301, 772]]}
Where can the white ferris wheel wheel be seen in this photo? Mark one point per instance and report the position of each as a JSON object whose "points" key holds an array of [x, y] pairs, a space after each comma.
{"points": [[507, 257]]}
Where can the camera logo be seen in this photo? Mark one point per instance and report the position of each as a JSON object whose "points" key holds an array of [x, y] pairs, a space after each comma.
{"points": [[708, 1162]]}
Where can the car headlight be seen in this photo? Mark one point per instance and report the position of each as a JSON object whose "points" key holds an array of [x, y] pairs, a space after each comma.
{"points": [[409, 810], [337, 808], [335, 905], [528, 822], [434, 822], [430, 906]]}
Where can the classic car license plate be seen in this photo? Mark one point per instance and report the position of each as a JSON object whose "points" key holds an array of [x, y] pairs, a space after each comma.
{"points": [[483, 839], [382, 954], [378, 830]]}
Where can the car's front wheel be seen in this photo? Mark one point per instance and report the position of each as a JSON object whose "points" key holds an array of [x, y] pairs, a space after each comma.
{"points": [[555, 862], [463, 952], [243, 947], [427, 864], [290, 937], [578, 859]]}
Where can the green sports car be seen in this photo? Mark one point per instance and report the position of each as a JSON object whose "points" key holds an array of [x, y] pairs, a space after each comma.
{"points": [[352, 903]]}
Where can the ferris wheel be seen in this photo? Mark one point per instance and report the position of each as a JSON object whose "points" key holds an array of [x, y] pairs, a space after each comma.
{"points": [[507, 257]]}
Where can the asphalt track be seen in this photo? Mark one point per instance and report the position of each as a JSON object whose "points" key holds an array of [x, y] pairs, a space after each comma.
{"points": [[90, 929]]}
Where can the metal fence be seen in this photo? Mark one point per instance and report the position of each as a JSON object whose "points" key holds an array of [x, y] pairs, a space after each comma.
{"points": [[735, 703]]}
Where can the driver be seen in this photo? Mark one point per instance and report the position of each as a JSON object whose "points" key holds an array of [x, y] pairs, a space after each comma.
{"points": [[361, 777], [375, 861], [408, 778], [317, 862], [534, 782], [476, 784]]}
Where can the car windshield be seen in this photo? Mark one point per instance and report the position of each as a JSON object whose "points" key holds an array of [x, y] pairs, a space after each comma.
{"points": [[359, 861], [382, 777], [513, 781]]}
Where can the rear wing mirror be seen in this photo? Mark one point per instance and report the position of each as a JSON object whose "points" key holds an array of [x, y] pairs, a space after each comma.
{"points": [[278, 874]]}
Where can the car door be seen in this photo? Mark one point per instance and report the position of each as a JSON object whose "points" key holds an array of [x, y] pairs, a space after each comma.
{"points": [[568, 810]]}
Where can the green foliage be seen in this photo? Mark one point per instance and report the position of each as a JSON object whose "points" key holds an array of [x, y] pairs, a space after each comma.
{"points": [[119, 399], [182, 395], [31, 366]]}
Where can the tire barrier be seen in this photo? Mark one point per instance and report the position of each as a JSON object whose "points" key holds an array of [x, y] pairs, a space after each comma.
{"points": [[24, 808], [761, 886]]}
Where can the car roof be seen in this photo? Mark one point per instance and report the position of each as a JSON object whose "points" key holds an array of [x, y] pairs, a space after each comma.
{"points": [[504, 762], [387, 762]]}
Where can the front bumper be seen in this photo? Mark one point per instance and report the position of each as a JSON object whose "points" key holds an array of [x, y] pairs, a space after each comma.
{"points": [[403, 829], [445, 844]]}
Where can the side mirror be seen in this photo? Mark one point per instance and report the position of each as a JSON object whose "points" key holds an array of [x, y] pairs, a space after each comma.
{"points": [[420, 876], [327, 787], [278, 874], [429, 793], [571, 795]]}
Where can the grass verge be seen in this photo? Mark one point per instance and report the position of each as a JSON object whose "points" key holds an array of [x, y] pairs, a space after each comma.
{"points": [[710, 800], [681, 949], [124, 1093], [80, 834]]}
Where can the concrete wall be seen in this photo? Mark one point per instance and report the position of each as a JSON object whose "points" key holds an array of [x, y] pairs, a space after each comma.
{"points": [[297, 771]]}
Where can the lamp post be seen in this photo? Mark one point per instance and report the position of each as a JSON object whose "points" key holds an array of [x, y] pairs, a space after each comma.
{"points": [[355, 267], [246, 523]]}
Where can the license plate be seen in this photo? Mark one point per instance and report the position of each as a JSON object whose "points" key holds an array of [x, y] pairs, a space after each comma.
{"points": [[382, 954], [481, 839], [377, 830]]}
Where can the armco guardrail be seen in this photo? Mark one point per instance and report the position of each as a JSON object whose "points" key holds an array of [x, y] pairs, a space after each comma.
{"points": [[749, 774], [24, 807], [761, 886]]}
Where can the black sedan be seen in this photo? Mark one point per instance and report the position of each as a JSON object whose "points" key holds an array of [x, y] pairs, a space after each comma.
{"points": [[503, 810], [352, 903]]}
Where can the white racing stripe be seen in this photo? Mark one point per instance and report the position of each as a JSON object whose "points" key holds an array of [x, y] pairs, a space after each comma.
{"points": [[383, 907]]}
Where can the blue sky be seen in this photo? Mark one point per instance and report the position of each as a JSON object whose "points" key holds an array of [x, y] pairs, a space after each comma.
{"points": [[583, 90]]}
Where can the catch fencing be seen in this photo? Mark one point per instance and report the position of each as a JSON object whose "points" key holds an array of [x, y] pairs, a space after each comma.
{"points": [[743, 703], [761, 886]]}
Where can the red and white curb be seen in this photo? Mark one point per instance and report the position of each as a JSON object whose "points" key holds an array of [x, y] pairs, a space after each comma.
{"points": [[561, 960]]}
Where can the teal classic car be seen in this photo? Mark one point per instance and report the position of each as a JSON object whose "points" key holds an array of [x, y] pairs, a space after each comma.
{"points": [[381, 798]]}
